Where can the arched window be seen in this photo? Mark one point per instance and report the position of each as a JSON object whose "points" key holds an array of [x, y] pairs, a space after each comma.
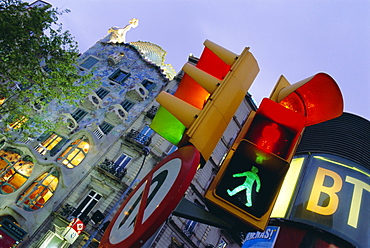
{"points": [[75, 153], [40, 191], [15, 169]]}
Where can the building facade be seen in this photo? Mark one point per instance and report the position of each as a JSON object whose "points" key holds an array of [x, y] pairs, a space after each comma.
{"points": [[62, 188]]}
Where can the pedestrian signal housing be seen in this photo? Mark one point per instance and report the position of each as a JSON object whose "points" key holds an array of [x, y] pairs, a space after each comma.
{"points": [[251, 175]]}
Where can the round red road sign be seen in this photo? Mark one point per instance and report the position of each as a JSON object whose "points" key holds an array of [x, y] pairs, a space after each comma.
{"points": [[152, 201]]}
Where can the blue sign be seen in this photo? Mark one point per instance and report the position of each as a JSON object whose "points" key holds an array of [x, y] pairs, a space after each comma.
{"points": [[265, 239]]}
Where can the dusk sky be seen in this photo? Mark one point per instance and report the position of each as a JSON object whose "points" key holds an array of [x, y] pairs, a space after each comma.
{"points": [[296, 39]]}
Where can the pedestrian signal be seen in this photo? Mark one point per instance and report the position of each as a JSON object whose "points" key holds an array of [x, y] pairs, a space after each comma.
{"points": [[251, 175]]}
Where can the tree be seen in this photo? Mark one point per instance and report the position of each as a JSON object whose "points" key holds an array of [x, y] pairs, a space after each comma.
{"points": [[37, 66]]}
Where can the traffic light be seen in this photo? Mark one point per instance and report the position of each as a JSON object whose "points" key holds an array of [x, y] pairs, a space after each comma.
{"points": [[253, 171], [206, 99], [317, 97], [251, 174]]}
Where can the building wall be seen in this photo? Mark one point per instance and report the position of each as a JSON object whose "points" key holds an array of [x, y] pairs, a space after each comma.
{"points": [[75, 183], [48, 224]]}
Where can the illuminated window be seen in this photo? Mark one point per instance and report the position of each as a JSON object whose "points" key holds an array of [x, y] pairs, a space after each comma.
{"points": [[14, 170], [18, 123], [50, 142], [52, 239], [75, 153], [39, 192], [119, 76]]}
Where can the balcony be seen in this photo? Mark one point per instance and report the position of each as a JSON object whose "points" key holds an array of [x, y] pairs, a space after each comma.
{"points": [[111, 170], [151, 112], [139, 139]]}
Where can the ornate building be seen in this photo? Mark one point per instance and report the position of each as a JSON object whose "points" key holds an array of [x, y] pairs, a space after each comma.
{"points": [[87, 167]]}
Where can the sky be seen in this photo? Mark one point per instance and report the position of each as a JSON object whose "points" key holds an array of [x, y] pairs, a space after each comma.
{"points": [[297, 39]]}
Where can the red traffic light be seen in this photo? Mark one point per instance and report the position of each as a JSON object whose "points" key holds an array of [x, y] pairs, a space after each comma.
{"points": [[318, 97]]}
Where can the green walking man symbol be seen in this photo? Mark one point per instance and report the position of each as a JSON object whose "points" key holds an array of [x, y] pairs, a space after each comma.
{"points": [[251, 177]]}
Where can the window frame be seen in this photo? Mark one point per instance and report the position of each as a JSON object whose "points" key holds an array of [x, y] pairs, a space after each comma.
{"points": [[149, 85], [106, 127], [73, 151], [79, 114], [47, 143], [124, 161], [127, 104], [101, 93], [89, 67], [43, 189], [11, 172], [87, 204], [116, 74]]}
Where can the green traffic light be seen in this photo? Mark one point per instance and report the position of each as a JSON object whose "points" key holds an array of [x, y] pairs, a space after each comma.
{"points": [[251, 177]]}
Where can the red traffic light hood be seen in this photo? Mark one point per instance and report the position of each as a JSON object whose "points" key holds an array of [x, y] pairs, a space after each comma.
{"points": [[318, 98]]}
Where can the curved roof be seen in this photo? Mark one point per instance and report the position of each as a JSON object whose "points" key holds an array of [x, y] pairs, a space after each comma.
{"points": [[154, 54]]}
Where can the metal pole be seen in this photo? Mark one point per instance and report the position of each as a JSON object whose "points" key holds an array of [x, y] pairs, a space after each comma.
{"points": [[146, 152]]}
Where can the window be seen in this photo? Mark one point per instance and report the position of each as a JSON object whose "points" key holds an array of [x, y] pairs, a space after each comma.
{"points": [[102, 93], [103, 129], [14, 170], [122, 161], [119, 76], [144, 135], [79, 114], [75, 153], [89, 63], [127, 105], [106, 127], [148, 85], [50, 142], [46, 69], [189, 227], [52, 239], [191, 224], [87, 205], [40, 191], [18, 123], [171, 149], [222, 243]]}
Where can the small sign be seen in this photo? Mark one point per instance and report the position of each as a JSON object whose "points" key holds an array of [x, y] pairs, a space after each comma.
{"points": [[73, 230], [265, 239], [12, 230], [77, 225]]}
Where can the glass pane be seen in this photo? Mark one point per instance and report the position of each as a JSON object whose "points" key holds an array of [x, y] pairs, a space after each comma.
{"points": [[78, 159]]}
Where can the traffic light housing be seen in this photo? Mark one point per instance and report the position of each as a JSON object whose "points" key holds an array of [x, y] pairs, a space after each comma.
{"points": [[206, 99], [317, 97], [253, 171], [251, 175]]}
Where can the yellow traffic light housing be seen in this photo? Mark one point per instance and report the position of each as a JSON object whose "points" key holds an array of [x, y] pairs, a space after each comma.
{"points": [[226, 89], [251, 175]]}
